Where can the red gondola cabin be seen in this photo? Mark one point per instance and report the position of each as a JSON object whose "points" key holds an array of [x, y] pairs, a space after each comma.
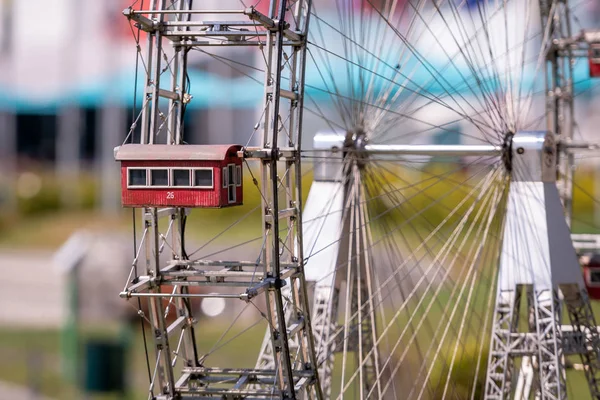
{"points": [[157, 175], [594, 60], [591, 274]]}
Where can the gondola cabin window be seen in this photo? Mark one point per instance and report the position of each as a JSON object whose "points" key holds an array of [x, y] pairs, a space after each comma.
{"points": [[591, 274], [205, 176], [181, 177], [595, 277], [136, 177]]}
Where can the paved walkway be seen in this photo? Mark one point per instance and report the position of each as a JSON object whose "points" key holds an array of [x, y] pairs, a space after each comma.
{"points": [[29, 280], [9, 391]]}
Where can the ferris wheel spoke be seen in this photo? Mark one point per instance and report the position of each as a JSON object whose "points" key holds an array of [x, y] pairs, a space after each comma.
{"points": [[326, 62], [382, 131], [404, 116], [434, 72], [348, 18], [411, 226], [352, 40], [447, 326], [413, 255], [474, 276], [333, 125], [387, 107], [395, 257], [473, 54], [498, 98], [329, 121], [483, 18], [442, 238], [377, 243], [591, 87], [527, 104], [431, 182], [492, 61], [397, 314], [342, 108], [521, 74], [388, 80], [491, 256], [373, 62], [463, 49], [409, 33]]}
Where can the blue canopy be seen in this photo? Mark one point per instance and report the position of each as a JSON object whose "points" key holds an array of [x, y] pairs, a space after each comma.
{"points": [[211, 90]]}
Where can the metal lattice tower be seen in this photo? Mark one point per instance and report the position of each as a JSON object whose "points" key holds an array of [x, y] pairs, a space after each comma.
{"points": [[173, 31], [551, 277], [538, 257]]}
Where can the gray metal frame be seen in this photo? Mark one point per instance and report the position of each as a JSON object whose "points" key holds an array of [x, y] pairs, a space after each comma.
{"points": [[538, 256], [291, 371]]}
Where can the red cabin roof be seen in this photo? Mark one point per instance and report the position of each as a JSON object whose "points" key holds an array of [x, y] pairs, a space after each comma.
{"points": [[218, 152]]}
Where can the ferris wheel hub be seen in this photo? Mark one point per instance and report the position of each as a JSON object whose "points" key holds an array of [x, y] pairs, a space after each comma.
{"points": [[356, 139], [530, 156]]}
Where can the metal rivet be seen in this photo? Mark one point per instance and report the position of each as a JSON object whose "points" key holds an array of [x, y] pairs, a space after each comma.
{"points": [[520, 150]]}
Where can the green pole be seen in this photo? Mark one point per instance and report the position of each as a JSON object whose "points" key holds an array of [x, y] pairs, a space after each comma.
{"points": [[70, 331]]}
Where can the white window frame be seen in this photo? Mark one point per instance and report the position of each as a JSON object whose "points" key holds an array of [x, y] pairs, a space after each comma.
{"points": [[172, 177], [149, 179], [224, 178], [130, 186], [231, 183], [193, 181], [238, 175]]}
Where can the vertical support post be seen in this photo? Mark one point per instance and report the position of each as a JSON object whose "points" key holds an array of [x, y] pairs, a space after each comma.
{"points": [[163, 381], [70, 334], [151, 112], [549, 336], [8, 160], [584, 323], [275, 250], [500, 363], [367, 352], [555, 16], [109, 135], [67, 154]]}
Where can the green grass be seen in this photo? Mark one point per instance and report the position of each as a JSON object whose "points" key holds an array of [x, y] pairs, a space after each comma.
{"points": [[33, 357]]}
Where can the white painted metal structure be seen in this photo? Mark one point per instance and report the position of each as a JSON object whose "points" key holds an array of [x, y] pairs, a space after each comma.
{"points": [[538, 257]]}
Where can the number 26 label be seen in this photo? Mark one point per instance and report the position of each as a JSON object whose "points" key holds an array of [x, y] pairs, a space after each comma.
{"points": [[170, 195]]}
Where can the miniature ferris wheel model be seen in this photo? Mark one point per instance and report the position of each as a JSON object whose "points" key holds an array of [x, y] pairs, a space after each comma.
{"points": [[402, 276]]}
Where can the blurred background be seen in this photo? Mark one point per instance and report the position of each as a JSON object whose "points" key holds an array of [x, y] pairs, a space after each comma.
{"points": [[67, 98]]}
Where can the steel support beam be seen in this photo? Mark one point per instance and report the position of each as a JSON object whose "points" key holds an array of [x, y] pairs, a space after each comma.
{"points": [[538, 254]]}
